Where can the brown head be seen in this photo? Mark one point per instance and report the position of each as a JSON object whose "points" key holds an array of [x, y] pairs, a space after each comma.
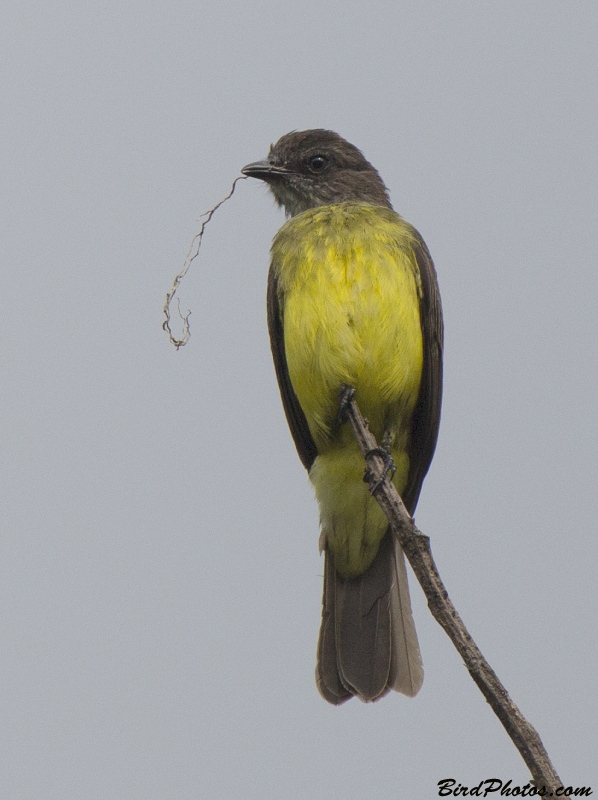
{"points": [[306, 169]]}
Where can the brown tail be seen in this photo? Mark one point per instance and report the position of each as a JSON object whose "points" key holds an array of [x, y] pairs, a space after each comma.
{"points": [[368, 644]]}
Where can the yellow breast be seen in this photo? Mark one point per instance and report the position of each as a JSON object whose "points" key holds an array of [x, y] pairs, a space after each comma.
{"points": [[349, 281]]}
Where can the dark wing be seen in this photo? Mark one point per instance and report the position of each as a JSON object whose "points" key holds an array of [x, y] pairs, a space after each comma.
{"points": [[426, 417], [295, 417]]}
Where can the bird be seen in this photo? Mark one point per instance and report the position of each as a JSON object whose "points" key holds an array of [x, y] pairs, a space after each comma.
{"points": [[353, 301]]}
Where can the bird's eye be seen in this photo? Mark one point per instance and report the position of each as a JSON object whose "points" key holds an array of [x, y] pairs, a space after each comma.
{"points": [[318, 163]]}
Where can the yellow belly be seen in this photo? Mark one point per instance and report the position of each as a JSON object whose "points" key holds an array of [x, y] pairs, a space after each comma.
{"points": [[350, 304]]}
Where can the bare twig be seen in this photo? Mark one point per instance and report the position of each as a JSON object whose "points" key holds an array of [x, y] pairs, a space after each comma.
{"points": [[192, 254], [417, 549]]}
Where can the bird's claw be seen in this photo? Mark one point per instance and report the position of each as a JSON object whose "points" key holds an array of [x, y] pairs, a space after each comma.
{"points": [[345, 396], [389, 466]]}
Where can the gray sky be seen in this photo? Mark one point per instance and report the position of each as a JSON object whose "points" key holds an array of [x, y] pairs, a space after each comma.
{"points": [[160, 581]]}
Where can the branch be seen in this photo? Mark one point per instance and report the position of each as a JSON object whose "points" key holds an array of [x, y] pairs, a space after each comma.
{"points": [[417, 549]]}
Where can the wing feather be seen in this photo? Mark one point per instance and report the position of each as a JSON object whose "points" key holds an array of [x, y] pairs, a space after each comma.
{"points": [[426, 416], [295, 417]]}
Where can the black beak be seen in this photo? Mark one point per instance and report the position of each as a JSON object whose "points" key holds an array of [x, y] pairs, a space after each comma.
{"points": [[263, 170]]}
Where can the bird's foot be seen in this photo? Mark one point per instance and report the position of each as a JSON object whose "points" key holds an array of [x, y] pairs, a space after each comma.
{"points": [[345, 396], [389, 466]]}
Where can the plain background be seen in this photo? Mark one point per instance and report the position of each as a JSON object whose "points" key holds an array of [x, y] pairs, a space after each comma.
{"points": [[160, 580]]}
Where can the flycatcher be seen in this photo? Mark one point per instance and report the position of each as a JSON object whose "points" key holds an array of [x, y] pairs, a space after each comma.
{"points": [[353, 300]]}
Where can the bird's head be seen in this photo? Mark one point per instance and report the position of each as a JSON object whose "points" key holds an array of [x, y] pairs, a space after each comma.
{"points": [[306, 169]]}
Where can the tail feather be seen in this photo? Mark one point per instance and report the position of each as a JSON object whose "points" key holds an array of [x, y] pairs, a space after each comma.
{"points": [[328, 679], [368, 644], [407, 669]]}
